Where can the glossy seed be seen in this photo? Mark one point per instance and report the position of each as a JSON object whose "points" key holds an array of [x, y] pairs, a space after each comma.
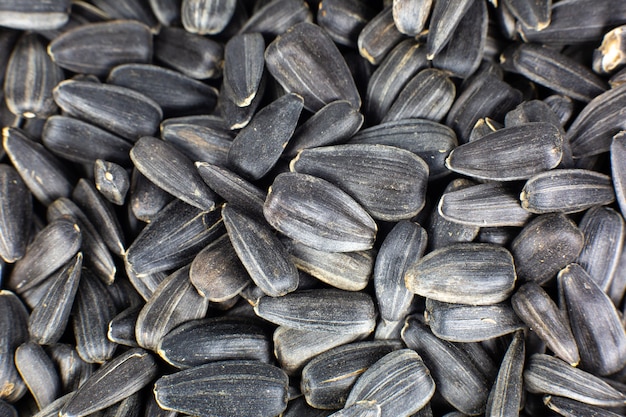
{"points": [[129, 407], [307, 46], [532, 15], [199, 143], [535, 307], [221, 388], [378, 37], [360, 409], [318, 214], [98, 47], [171, 170], [111, 180], [14, 319], [344, 19], [462, 323], [34, 15], [38, 372], [505, 397], [206, 17], [410, 16], [445, 18], [198, 342], [119, 110], [562, 106], [243, 67], [73, 371], [320, 310], [466, 273], [114, 381], [122, 327], [133, 9], [15, 214], [566, 191], [276, 16], [238, 117], [387, 181]]}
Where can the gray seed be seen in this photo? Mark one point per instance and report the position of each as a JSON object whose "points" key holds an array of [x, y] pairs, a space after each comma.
{"points": [[153, 409], [34, 15], [114, 381], [261, 252], [566, 191], [378, 37], [175, 301], [445, 18], [96, 48], [199, 143], [360, 409], [38, 373], [82, 142], [175, 93], [410, 16], [146, 199], [344, 19], [320, 310], [243, 67], [275, 17], [171, 170], [195, 56], [532, 15], [238, 117], [122, 327], [466, 273], [14, 319], [483, 127], [618, 169], [318, 214], [16, 214], [73, 371], [462, 323], [120, 110], [242, 387], [129, 407], [571, 408], [308, 46], [166, 11], [49, 318], [535, 307], [145, 285], [328, 378], [207, 17], [388, 182], [111, 180], [562, 106], [122, 9], [7, 410], [44, 175], [198, 342], [505, 397], [52, 409], [548, 375], [618, 79], [298, 407]]}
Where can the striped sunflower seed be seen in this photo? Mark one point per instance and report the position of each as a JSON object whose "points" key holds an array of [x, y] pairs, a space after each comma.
{"points": [[258, 146], [328, 378], [73, 371], [610, 54], [34, 15], [360, 409], [175, 301], [535, 307], [114, 381], [466, 273], [52, 409], [171, 170], [505, 397], [199, 143], [128, 407], [238, 117], [261, 252], [546, 374], [16, 208], [316, 213], [306, 45], [399, 382], [566, 191], [534, 16], [463, 323], [275, 17], [388, 182], [118, 42], [378, 37], [562, 106], [14, 319], [153, 409], [217, 389], [572, 408], [243, 67], [344, 19], [207, 17], [146, 199], [618, 169], [445, 17], [601, 339], [111, 180], [38, 372], [122, 327], [320, 310], [197, 342], [410, 16], [133, 9]]}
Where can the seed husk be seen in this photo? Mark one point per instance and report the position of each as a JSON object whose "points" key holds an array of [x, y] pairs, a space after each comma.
{"points": [[572, 408], [378, 37], [618, 169], [243, 67], [238, 117], [38, 373], [221, 388], [197, 142], [73, 371], [505, 397], [112, 180], [360, 409], [610, 54], [207, 17], [316, 213], [122, 327], [16, 214], [445, 17], [410, 16], [14, 319], [344, 19], [275, 17], [133, 9]]}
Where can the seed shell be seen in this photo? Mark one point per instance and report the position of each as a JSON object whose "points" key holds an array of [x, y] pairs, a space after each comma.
{"points": [[122, 327], [73, 371], [207, 17], [571, 408], [275, 17], [15, 214], [38, 373], [378, 37], [243, 67], [199, 143], [344, 19], [111, 180], [34, 15], [445, 17], [505, 397], [618, 169], [410, 16], [14, 319], [360, 409]]}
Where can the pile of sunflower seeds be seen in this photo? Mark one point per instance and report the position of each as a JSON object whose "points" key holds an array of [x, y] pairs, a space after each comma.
{"points": [[241, 208]]}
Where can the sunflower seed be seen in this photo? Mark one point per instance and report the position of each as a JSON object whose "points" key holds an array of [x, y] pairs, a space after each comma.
{"points": [[114, 381], [545, 374], [7, 410], [171, 170], [73, 371], [44, 175], [273, 18], [334, 123], [238, 117], [199, 143], [360, 409], [306, 45], [197, 342], [463, 323], [294, 348], [601, 338], [111, 180], [50, 249], [119, 42], [258, 146], [152, 408], [78, 141], [566, 191], [120, 110], [34, 15], [316, 213], [14, 319], [445, 17], [328, 378], [49, 318], [410, 16], [243, 67], [38, 373], [129, 407], [344, 19], [618, 169], [404, 244], [571, 408], [388, 182], [122, 327], [547, 244], [133, 9], [349, 271], [52, 409], [195, 56], [505, 397], [93, 310], [456, 377], [610, 54], [207, 17], [443, 274], [320, 310], [484, 205], [16, 208], [146, 199], [378, 37]]}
